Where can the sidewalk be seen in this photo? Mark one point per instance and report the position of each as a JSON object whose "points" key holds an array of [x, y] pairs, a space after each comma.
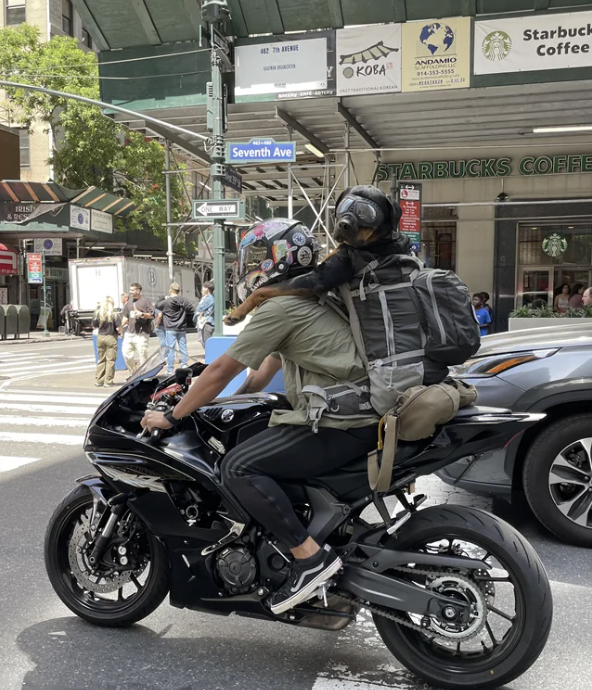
{"points": [[38, 337]]}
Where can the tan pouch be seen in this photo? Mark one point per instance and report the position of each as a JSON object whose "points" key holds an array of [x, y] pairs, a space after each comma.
{"points": [[381, 460], [468, 392]]}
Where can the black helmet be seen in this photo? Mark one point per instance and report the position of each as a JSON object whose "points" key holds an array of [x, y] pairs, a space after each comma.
{"points": [[274, 250]]}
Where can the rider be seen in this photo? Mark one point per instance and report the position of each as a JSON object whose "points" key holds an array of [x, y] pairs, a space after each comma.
{"points": [[316, 349]]}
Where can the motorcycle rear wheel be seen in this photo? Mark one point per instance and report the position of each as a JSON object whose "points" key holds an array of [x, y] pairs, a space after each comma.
{"points": [[83, 597], [518, 648]]}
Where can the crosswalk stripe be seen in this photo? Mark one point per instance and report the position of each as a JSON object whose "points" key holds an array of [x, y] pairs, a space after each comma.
{"points": [[50, 366], [6, 420], [19, 354], [11, 462], [54, 439], [63, 393], [40, 374], [8, 396], [56, 409]]}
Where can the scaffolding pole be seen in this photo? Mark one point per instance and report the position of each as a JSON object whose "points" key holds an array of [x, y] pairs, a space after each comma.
{"points": [[167, 158]]}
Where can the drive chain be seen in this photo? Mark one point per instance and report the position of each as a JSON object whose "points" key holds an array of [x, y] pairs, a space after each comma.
{"points": [[387, 613]]}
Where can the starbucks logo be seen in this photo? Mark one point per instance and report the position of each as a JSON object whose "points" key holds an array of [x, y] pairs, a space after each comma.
{"points": [[496, 46], [554, 245]]}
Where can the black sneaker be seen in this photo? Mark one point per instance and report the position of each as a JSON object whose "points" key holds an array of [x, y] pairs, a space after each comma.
{"points": [[306, 576]]}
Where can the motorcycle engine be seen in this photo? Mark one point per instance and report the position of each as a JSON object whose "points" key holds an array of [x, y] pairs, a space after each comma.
{"points": [[237, 569]]}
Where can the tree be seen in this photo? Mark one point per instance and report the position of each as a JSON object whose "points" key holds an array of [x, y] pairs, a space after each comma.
{"points": [[89, 147]]}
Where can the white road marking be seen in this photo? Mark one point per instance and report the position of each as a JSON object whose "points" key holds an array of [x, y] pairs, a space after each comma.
{"points": [[6, 421], [20, 354], [63, 393], [8, 462], [57, 409], [9, 396], [39, 366], [54, 439], [344, 684], [40, 375]]}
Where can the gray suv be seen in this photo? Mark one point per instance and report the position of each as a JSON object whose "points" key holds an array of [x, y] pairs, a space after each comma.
{"points": [[538, 370]]}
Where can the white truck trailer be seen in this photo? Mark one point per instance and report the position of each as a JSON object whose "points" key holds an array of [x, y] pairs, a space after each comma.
{"points": [[91, 280]]}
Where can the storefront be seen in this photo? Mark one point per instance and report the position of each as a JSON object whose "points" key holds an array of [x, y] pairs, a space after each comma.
{"points": [[508, 219]]}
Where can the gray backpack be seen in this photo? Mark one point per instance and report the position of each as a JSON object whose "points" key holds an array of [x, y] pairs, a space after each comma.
{"points": [[409, 323]]}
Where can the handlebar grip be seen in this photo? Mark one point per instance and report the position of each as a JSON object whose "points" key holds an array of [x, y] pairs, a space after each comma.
{"points": [[155, 435]]}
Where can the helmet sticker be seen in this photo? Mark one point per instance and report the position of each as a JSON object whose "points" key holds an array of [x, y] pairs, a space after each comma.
{"points": [[267, 265], [304, 256], [255, 278], [282, 250], [299, 239]]}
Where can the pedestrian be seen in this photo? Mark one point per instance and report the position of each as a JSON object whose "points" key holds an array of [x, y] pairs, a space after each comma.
{"points": [[160, 329], [109, 324], [205, 314], [481, 313], [576, 301], [485, 297], [176, 311], [561, 301], [124, 299], [587, 297], [138, 313]]}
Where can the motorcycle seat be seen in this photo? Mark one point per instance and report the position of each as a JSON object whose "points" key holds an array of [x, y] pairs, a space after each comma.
{"points": [[475, 410]]}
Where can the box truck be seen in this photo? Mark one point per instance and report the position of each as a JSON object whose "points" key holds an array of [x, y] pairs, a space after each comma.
{"points": [[91, 280]]}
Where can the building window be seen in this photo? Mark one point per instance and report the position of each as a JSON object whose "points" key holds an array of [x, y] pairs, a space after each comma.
{"points": [[15, 12], [25, 148], [86, 39], [67, 18]]}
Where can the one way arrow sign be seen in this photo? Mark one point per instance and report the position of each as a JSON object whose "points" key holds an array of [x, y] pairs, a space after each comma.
{"points": [[221, 209]]}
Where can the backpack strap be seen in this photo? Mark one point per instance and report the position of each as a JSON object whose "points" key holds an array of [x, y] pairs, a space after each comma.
{"points": [[380, 474], [354, 322]]}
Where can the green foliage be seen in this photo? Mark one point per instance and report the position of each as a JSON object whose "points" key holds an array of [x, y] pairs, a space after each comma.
{"points": [[89, 148], [547, 313]]}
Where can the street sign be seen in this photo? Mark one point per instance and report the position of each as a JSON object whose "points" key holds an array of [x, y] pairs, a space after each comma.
{"points": [[233, 179], [35, 269], [222, 209], [410, 202], [261, 151]]}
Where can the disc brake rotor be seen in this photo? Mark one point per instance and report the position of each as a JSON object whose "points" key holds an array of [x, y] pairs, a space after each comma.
{"points": [[466, 592], [87, 577]]}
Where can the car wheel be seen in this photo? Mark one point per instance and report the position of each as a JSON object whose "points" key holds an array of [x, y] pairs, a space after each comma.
{"points": [[557, 478]]}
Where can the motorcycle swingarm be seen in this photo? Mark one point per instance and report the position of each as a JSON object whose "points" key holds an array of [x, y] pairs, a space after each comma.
{"points": [[380, 560], [393, 593]]}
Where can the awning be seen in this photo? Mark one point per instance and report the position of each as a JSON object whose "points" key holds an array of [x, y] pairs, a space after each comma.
{"points": [[8, 260]]}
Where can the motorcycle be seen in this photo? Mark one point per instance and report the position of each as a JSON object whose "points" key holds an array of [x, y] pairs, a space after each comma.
{"points": [[458, 596]]}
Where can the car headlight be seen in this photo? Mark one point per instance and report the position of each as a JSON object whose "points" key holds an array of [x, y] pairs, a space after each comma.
{"points": [[492, 365]]}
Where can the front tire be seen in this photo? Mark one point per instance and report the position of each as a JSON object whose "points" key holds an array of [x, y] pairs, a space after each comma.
{"points": [[557, 479], [114, 600], [519, 647]]}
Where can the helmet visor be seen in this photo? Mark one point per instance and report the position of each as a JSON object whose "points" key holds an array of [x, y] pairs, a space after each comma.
{"points": [[251, 257]]}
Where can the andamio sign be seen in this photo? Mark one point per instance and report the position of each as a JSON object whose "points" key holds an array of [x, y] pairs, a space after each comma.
{"points": [[486, 167], [534, 42]]}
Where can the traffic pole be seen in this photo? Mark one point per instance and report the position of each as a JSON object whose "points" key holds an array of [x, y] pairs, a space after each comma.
{"points": [[44, 289], [215, 13]]}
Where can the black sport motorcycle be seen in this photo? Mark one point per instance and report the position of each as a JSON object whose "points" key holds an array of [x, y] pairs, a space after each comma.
{"points": [[458, 596]]}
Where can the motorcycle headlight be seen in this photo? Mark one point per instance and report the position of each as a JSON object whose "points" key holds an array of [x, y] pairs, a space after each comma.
{"points": [[484, 367]]}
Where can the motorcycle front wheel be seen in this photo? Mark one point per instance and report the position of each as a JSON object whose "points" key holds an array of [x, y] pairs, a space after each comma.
{"points": [[511, 604], [128, 584]]}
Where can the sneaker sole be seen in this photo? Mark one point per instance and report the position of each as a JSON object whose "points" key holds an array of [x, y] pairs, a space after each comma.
{"points": [[306, 592]]}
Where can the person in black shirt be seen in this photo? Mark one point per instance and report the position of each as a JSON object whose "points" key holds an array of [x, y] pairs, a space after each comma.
{"points": [[109, 324], [176, 311], [137, 314]]}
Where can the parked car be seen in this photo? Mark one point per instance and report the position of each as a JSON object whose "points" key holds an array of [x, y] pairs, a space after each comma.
{"points": [[538, 370]]}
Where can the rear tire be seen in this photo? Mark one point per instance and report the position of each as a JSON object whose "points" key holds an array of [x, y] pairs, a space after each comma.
{"points": [[117, 615], [520, 560]]}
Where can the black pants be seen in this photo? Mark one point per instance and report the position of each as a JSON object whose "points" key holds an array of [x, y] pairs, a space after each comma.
{"points": [[288, 452]]}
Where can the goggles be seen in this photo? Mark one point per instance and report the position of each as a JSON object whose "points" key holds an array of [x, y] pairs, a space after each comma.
{"points": [[367, 213]]}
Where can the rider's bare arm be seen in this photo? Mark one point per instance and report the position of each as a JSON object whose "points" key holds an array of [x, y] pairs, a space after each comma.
{"points": [[259, 378]]}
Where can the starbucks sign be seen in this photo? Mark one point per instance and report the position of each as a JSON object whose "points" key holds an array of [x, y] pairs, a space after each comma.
{"points": [[486, 167], [555, 245]]}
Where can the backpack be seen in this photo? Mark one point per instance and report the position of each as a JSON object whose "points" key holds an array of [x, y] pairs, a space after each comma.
{"points": [[409, 323]]}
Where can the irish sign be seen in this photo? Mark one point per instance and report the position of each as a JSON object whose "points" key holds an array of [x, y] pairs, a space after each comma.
{"points": [[212, 209], [34, 269], [410, 202], [261, 151]]}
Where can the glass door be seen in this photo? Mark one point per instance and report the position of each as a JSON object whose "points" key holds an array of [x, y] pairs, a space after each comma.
{"points": [[535, 285]]}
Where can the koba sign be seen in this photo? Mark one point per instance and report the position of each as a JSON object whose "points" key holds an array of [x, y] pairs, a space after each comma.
{"points": [[535, 42]]}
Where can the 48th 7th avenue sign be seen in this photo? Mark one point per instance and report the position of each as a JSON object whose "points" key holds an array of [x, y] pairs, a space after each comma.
{"points": [[212, 209]]}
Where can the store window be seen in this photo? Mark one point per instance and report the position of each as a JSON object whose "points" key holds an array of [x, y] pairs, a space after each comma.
{"points": [[67, 18], [552, 255], [24, 148], [15, 12], [438, 237], [86, 39]]}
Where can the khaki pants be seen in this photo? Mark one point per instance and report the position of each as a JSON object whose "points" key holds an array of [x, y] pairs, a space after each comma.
{"points": [[135, 349], [107, 351]]}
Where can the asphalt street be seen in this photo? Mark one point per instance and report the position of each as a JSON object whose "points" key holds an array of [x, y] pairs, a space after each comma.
{"points": [[46, 399]]}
